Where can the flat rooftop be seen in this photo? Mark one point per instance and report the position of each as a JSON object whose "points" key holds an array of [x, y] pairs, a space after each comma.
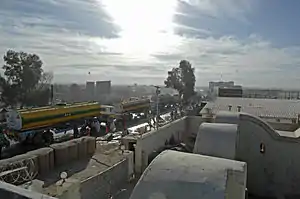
{"points": [[267, 108]]}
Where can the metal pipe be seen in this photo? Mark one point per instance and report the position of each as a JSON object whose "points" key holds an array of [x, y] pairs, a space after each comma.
{"points": [[157, 111], [157, 104], [51, 94]]}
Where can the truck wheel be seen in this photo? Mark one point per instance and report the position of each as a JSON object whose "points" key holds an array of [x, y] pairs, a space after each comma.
{"points": [[38, 140], [48, 138], [26, 141]]}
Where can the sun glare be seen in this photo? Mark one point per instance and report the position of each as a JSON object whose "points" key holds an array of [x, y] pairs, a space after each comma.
{"points": [[144, 24]]}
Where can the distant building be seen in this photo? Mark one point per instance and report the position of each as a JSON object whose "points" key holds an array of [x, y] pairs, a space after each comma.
{"points": [[220, 84], [103, 88], [75, 93], [224, 89], [235, 91], [271, 93], [90, 91]]}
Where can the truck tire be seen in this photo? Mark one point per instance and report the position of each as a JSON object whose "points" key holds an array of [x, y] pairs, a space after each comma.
{"points": [[48, 138], [38, 140], [26, 141]]}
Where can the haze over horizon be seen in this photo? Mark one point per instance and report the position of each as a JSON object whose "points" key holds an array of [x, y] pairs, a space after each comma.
{"points": [[254, 43]]}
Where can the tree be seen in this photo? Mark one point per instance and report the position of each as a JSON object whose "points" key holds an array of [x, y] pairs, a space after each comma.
{"points": [[9, 92], [40, 97], [23, 74], [45, 80], [182, 79], [41, 94]]}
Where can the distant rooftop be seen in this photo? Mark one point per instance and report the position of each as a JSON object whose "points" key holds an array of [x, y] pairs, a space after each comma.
{"points": [[265, 108]]}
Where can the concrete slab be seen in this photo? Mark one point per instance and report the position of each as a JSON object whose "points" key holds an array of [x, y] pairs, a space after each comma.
{"points": [[217, 140], [11, 191]]}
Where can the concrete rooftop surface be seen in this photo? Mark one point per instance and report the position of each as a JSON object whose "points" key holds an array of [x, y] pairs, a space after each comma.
{"points": [[180, 175], [277, 108]]}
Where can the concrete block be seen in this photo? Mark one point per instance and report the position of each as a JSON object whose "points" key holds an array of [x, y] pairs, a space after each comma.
{"points": [[72, 150], [130, 160], [82, 147], [61, 154], [51, 159], [91, 145], [45, 159]]}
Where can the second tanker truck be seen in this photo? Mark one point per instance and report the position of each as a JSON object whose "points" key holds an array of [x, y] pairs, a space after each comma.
{"points": [[35, 125]]}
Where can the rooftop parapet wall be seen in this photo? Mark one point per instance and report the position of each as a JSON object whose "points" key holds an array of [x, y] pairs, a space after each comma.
{"points": [[154, 140], [272, 156], [180, 129]]}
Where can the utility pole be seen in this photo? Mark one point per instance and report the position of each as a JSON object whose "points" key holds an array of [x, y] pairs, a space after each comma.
{"points": [[51, 94], [157, 104]]}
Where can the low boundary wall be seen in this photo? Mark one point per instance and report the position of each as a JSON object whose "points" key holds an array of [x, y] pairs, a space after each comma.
{"points": [[42, 161], [108, 182]]}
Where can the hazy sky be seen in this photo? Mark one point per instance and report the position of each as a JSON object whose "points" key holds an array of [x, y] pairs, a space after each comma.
{"points": [[253, 42]]}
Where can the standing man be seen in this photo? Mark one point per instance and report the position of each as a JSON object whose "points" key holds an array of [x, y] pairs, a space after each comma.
{"points": [[75, 131]]}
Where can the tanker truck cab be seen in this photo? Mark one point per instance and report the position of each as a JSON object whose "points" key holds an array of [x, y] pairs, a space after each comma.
{"points": [[106, 112], [14, 120]]}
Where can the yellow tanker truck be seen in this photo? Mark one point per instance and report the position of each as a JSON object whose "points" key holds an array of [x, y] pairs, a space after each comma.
{"points": [[28, 119], [35, 123]]}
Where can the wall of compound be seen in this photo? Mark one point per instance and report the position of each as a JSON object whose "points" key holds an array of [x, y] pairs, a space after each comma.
{"points": [[272, 158], [104, 184], [156, 139]]}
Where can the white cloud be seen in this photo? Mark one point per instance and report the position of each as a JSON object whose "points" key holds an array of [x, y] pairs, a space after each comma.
{"points": [[252, 61], [234, 9], [71, 49]]}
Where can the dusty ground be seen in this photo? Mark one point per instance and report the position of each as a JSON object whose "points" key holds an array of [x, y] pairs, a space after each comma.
{"points": [[104, 158], [126, 191]]}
